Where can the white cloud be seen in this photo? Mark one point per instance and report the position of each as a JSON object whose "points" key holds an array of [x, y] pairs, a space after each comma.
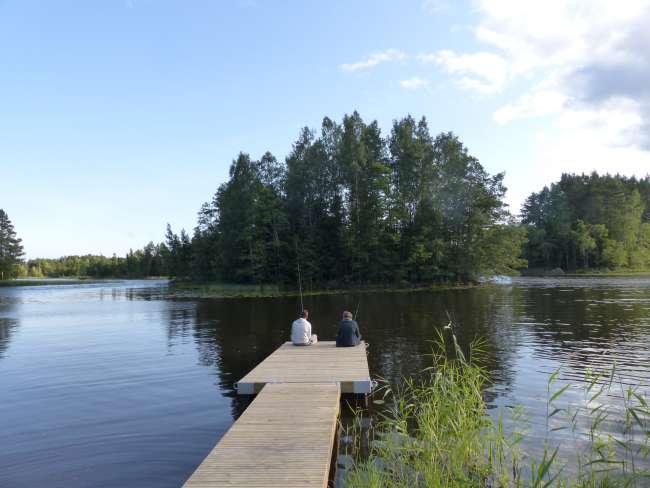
{"points": [[584, 62], [374, 59], [483, 72], [578, 149], [536, 103], [579, 67], [413, 83], [559, 33], [616, 122], [584, 65], [578, 64]]}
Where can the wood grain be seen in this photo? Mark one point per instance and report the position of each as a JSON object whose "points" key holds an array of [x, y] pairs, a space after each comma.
{"points": [[284, 439], [322, 362]]}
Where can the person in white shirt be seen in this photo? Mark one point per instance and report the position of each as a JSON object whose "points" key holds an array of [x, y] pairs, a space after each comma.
{"points": [[301, 330]]}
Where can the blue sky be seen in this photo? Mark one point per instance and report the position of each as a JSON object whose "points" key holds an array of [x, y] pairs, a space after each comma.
{"points": [[117, 117]]}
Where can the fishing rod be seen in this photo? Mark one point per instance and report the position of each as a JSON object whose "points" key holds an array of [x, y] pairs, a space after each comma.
{"points": [[302, 306]]}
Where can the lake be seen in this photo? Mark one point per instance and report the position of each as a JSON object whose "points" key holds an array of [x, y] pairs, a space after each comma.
{"points": [[120, 384]]}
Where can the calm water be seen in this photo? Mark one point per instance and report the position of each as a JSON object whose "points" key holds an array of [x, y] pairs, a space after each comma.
{"points": [[116, 385]]}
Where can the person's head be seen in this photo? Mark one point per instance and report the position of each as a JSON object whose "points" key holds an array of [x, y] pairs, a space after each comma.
{"points": [[347, 315], [304, 314]]}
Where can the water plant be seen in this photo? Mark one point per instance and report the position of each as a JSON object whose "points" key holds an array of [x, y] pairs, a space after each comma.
{"points": [[437, 431]]}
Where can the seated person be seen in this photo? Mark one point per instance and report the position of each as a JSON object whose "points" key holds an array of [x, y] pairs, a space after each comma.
{"points": [[301, 330], [348, 333]]}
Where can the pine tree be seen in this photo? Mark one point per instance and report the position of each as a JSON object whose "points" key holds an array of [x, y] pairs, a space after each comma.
{"points": [[11, 249]]}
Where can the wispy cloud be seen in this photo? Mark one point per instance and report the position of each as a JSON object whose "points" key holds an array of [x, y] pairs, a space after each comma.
{"points": [[374, 59], [536, 103], [483, 72], [434, 6], [413, 83]]}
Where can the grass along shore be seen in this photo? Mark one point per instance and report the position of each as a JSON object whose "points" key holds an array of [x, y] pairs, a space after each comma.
{"points": [[228, 290], [437, 432], [192, 289]]}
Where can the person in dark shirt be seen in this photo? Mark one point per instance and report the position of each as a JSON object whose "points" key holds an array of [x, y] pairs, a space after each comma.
{"points": [[348, 334]]}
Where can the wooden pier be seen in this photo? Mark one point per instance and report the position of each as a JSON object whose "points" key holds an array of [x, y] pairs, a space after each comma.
{"points": [[285, 438], [322, 362]]}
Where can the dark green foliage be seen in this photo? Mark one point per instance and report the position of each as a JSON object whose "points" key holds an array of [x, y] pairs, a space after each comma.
{"points": [[589, 221], [11, 249], [350, 207], [178, 253]]}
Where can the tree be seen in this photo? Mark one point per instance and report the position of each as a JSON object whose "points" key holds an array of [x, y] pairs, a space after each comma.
{"points": [[584, 242], [500, 251], [11, 249], [414, 220], [178, 253], [470, 202], [366, 184]]}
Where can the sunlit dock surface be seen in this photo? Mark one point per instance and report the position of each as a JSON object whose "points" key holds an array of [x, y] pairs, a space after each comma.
{"points": [[285, 438], [322, 362]]}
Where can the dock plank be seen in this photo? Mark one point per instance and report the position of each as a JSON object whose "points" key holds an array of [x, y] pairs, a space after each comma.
{"points": [[284, 439], [322, 362]]}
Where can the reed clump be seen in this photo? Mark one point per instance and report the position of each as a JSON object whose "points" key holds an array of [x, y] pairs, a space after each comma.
{"points": [[436, 431]]}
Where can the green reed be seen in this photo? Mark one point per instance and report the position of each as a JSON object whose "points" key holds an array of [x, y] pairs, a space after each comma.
{"points": [[436, 432]]}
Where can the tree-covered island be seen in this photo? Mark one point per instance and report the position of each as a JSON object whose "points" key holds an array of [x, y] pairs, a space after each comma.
{"points": [[351, 207]]}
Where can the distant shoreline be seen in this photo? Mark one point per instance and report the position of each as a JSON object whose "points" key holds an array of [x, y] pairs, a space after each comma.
{"points": [[70, 281], [194, 289], [557, 272], [53, 281]]}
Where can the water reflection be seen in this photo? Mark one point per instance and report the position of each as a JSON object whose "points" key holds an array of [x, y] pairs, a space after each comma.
{"points": [[132, 376], [529, 328], [7, 327], [8, 323], [579, 327], [232, 336]]}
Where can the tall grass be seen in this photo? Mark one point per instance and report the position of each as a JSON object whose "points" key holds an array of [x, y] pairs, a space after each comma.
{"points": [[437, 432]]}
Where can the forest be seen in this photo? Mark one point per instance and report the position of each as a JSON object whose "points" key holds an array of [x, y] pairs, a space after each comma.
{"points": [[589, 221], [146, 262], [352, 207]]}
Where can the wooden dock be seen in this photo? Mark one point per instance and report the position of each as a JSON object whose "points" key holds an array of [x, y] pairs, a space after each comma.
{"points": [[322, 362], [285, 438]]}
